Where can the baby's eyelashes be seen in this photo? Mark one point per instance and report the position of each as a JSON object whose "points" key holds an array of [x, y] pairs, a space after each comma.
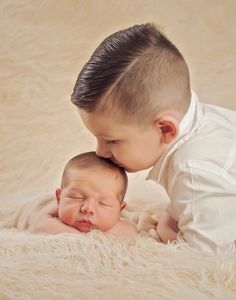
{"points": [[83, 199], [104, 204], [76, 198]]}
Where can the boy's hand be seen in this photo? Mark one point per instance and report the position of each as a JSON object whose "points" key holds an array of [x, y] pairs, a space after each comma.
{"points": [[47, 222], [167, 228]]}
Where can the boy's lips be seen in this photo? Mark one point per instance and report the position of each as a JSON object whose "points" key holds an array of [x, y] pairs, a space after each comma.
{"points": [[116, 162], [119, 164]]}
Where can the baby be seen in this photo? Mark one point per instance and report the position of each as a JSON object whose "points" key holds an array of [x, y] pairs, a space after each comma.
{"points": [[91, 196]]}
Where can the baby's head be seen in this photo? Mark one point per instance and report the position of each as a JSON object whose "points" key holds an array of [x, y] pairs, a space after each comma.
{"points": [[92, 193], [135, 78]]}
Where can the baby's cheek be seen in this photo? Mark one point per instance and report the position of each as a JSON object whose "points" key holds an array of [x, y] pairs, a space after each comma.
{"points": [[66, 216], [111, 218]]}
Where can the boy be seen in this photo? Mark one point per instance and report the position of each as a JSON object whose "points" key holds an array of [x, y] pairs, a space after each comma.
{"points": [[91, 197], [134, 96]]}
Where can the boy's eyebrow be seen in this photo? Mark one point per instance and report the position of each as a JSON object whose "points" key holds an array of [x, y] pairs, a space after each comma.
{"points": [[105, 136]]}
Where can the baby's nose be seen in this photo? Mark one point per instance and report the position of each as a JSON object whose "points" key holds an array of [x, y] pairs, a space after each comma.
{"points": [[87, 208]]}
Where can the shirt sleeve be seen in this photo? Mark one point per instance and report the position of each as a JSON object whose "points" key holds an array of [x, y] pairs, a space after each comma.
{"points": [[204, 204]]}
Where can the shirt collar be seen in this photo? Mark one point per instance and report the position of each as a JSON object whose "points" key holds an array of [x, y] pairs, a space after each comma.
{"points": [[186, 127]]}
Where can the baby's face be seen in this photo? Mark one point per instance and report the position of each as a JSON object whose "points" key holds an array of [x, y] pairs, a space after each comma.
{"points": [[127, 145], [91, 199]]}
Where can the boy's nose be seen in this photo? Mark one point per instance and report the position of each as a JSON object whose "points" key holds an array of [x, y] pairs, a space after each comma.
{"points": [[103, 151]]}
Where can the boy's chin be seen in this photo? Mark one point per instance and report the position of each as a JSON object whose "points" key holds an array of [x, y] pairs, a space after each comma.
{"points": [[131, 170]]}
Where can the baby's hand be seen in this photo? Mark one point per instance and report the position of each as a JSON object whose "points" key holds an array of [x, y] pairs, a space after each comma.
{"points": [[149, 223], [47, 221], [146, 222]]}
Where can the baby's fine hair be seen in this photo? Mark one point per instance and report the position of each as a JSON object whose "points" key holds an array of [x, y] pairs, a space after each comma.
{"points": [[134, 73], [90, 159]]}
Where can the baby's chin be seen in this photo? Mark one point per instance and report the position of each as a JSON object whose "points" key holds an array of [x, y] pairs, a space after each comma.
{"points": [[84, 227]]}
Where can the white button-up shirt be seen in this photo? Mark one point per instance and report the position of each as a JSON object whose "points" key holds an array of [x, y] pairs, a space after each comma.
{"points": [[198, 171]]}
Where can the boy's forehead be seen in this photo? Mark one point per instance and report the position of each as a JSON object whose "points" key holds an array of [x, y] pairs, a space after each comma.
{"points": [[100, 122], [98, 116], [103, 125]]}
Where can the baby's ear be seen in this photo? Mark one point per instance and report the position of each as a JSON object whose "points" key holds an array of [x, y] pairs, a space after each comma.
{"points": [[123, 205], [58, 195]]}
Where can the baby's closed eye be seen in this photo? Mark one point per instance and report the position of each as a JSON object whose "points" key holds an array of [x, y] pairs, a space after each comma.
{"points": [[73, 199], [104, 204]]}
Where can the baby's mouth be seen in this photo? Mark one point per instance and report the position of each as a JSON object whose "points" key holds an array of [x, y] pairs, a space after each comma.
{"points": [[87, 222], [85, 225]]}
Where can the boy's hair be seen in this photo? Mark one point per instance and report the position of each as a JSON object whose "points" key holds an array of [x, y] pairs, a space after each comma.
{"points": [[90, 159], [136, 72]]}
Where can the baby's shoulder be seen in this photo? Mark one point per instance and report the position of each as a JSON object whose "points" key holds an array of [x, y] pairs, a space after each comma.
{"points": [[123, 229]]}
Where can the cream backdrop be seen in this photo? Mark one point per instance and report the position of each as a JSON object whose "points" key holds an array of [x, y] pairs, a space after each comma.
{"points": [[43, 46]]}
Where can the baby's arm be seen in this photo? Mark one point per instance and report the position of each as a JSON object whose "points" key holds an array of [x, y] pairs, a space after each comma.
{"points": [[123, 229], [47, 222], [167, 228]]}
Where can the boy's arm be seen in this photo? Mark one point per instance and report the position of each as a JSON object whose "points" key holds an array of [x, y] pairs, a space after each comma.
{"points": [[47, 222], [123, 229], [205, 205], [167, 228]]}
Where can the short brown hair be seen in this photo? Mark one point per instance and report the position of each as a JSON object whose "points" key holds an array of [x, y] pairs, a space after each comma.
{"points": [[137, 71], [89, 159]]}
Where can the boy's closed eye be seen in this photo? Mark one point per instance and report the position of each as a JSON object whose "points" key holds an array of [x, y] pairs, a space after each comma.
{"points": [[112, 141]]}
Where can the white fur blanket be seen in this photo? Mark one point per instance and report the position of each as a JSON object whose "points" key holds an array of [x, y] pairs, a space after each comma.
{"points": [[99, 266], [43, 46]]}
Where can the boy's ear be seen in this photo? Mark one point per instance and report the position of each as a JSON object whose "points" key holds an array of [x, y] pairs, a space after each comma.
{"points": [[58, 195], [168, 126], [123, 205]]}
